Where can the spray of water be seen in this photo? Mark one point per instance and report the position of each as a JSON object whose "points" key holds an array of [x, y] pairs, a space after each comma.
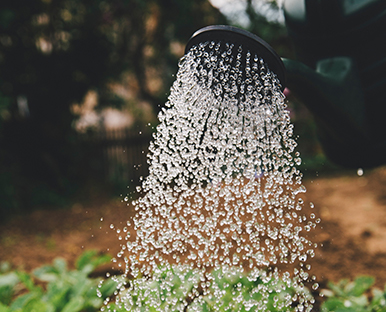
{"points": [[223, 196]]}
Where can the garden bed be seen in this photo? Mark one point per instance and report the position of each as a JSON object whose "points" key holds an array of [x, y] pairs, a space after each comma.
{"points": [[352, 233]]}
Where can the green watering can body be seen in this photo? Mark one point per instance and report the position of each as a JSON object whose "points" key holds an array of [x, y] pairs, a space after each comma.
{"points": [[340, 74]]}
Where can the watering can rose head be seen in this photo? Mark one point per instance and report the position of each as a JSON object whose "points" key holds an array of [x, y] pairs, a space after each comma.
{"points": [[335, 77]]}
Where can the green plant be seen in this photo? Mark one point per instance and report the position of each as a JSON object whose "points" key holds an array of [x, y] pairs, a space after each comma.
{"points": [[8, 281], [175, 290], [355, 296], [54, 288]]}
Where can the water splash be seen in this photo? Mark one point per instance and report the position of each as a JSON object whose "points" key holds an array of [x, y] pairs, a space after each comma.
{"points": [[223, 193]]}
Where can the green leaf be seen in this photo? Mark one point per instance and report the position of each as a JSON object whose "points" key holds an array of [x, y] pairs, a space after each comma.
{"points": [[107, 288], [101, 259], [7, 283], [95, 302], [338, 288], [21, 301], [85, 259], [61, 265], [83, 286], [90, 260], [6, 294], [46, 273], [361, 284], [37, 305], [4, 308], [332, 304], [87, 269], [26, 279], [74, 305], [58, 294], [360, 301], [379, 297]]}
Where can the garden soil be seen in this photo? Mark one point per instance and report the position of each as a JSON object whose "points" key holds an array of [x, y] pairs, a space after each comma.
{"points": [[351, 235]]}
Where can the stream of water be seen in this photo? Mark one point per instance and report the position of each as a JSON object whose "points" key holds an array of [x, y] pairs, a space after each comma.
{"points": [[223, 194]]}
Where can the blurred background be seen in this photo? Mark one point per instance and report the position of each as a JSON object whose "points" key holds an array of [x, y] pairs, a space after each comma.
{"points": [[81, 84], [82, 81]]}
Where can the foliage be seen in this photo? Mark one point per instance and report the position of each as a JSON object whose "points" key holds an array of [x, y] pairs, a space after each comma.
{"points": [[355, 296], [344, 296], [174, 290], [54, 288]]}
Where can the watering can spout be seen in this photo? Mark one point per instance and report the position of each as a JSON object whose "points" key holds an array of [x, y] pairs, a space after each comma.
{"points": [[332, 91], [342, 75], [333, 94]]}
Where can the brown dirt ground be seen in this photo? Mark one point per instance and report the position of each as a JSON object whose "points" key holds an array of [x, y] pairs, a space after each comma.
{"points": [[352, 234]]}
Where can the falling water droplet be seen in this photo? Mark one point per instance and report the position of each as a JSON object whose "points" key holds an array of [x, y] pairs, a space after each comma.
{"points": [[223, 194]]}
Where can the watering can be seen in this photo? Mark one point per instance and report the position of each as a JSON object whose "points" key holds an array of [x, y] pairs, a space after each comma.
{"points": [[340, 74]]}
